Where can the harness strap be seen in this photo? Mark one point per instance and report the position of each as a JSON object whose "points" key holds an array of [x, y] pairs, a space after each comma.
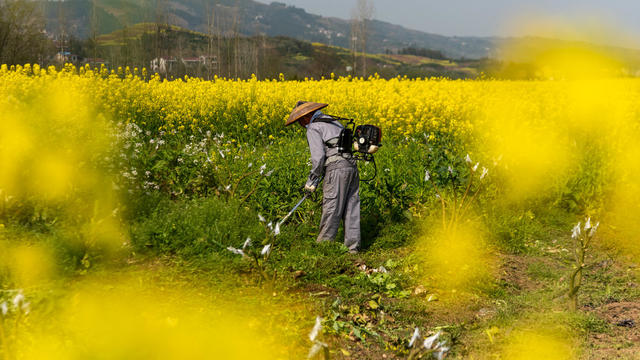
{"points": [[332, 143], [329, 120]]}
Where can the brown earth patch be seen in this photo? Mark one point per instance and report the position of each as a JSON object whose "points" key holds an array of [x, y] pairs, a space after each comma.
{"points": [[514, 272], [417, 60], [623, 341]]}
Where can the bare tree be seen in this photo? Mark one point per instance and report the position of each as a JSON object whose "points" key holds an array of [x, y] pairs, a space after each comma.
{"points": [[94, 31], [236, 38], [211, 22], [21, 32], [362, 15], [355, 36]]}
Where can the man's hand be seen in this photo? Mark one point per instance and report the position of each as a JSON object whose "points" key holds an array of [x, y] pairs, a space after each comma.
{"points": [[310, 188]]}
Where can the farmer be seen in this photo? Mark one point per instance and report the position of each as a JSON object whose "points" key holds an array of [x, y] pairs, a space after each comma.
{"points": [[341, 200]]}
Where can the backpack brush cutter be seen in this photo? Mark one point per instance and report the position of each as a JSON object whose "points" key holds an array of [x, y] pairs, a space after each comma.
{"points": [[366, 140]]}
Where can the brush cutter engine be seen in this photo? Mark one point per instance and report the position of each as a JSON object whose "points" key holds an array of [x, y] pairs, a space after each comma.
{"points": [[364, 139], [367, 139]]}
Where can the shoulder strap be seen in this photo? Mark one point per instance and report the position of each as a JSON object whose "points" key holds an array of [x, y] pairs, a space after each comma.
{"points": [[329, 120]]}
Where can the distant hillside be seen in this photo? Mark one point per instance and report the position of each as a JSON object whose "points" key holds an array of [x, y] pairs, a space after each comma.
{"points": [[266, 57], [250, 18]]}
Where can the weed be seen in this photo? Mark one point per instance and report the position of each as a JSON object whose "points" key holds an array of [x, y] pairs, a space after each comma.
{"points": [[581, 239], [317, 344]]}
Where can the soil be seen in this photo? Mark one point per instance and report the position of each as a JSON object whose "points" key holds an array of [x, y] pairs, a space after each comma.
{"points": [[623, 341], [513, 273]]}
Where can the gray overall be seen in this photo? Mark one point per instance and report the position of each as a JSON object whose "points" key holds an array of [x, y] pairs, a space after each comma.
{"points": [[341, 200]]}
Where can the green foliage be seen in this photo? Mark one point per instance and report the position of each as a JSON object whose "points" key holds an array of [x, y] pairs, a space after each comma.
{"points": [[512, 227], [591, 324], [383, 282], [196, 227], [586, 190], [354, 320]]}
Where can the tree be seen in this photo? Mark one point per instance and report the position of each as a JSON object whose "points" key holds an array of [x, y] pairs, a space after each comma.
{"points": [[94, 31], [22, 36], [355, 37], [362, 14]]}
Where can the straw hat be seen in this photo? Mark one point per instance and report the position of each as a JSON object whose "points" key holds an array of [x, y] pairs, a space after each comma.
{"points": [[303, 108]]}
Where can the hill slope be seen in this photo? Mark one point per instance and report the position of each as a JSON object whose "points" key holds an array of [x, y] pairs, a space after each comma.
{"points": [[250, 18]]}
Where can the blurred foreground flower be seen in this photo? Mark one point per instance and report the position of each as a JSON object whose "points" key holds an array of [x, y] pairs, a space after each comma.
{"points": [[127, 319], [456, 260], [317, 344], [538, 343], [432, 345]]}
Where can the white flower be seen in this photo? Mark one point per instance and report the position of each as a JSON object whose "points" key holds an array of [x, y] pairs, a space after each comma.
{"points": [[438, 196], [485, 171], [276, 231], [151, 141], [593, 229], [18, 300], [266, 250], [576, 231], [316, 329], [269, 173], [246, 243], [315, 349], [235, 251], [250, 165], [227, 187], [221, 153], [262, 168], [270, 225], [382, 269], [416, 335], [468, 159], [441, 350], [427, 176], [475, 167], [450, 169], [4, 308], [587, 224], [428, 342], [261, 218], [26, 308]]}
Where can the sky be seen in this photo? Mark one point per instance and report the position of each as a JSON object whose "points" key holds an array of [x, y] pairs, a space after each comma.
{"points": [[500, 17]]}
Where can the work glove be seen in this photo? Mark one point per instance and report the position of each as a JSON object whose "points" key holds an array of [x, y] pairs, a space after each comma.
{"points": [[310, 188]]}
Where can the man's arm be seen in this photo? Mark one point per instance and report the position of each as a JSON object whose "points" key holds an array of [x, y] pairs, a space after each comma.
{"points": [[316, 147]]}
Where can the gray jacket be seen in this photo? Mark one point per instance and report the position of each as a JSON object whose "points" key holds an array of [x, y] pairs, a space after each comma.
{"points": [[318, 132]]}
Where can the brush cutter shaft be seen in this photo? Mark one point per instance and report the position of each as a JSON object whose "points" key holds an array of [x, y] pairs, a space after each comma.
{"points": [[294, 208], [306, 195]]}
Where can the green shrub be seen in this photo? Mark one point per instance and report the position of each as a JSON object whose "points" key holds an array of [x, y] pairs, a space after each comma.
{"points": [[196, 227]]}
